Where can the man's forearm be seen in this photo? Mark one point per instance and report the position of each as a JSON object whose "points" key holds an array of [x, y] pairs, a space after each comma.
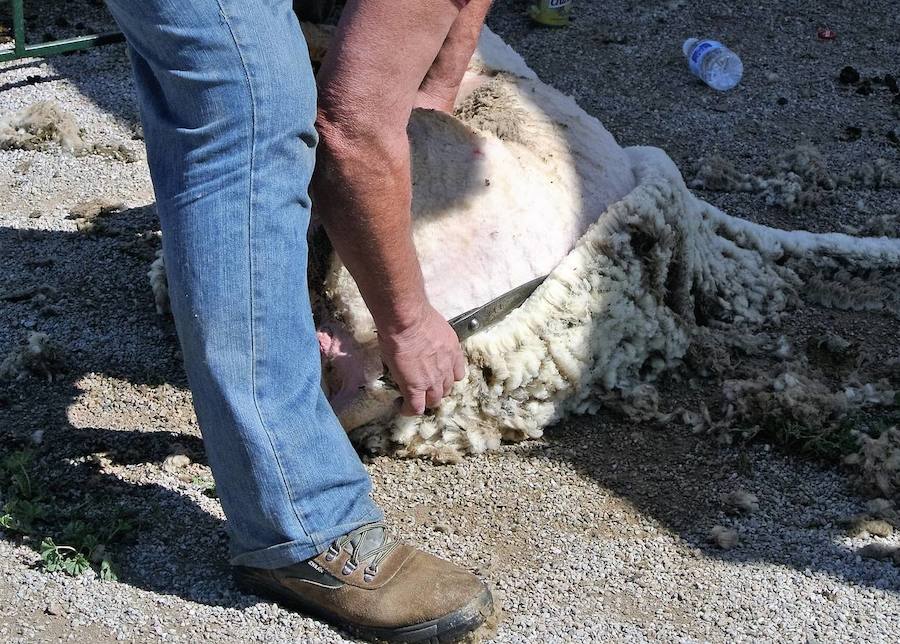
{"points": [[363, 191], [367, 88]]}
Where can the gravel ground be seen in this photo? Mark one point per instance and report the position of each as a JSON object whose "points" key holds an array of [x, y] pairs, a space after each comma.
{"points": [[601, 532]]}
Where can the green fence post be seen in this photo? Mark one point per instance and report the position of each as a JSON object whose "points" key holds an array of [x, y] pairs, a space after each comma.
{"points": [[62, 46]]}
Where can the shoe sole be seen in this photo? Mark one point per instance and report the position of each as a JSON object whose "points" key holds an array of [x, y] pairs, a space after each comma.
{"points": [[443, 630]]}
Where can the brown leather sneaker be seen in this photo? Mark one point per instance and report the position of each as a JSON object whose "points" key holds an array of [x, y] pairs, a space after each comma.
{"points": [[378, 589]]}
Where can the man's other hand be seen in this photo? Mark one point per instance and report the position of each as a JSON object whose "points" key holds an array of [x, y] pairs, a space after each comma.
{"points": [[425, 360]]}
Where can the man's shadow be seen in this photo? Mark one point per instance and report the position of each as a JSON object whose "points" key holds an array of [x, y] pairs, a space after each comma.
{"points": [[89, 292]]}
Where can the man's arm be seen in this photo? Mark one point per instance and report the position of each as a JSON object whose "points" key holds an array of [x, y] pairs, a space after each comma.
{"points": [[368, 85], [440, 86]]}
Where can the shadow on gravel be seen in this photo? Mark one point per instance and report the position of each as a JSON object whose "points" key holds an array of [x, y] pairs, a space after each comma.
{"points": [[679, 479], [96, 305], [99, 308]]}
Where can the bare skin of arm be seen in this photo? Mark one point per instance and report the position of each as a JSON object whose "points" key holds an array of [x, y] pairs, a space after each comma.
{"points": [[368, 85], [441, 84]]}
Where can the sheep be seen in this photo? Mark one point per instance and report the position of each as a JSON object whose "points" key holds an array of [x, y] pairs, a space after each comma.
{"points": [[649, 267]]}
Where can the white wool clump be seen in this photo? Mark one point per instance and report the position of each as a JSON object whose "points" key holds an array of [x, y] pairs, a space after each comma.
{"points": [[45, 124], [175, 462], [39, 356], [159, 284], [724, 538], [790, 400], [794, 180], [39, 125], [741, 500], [878, 459]]}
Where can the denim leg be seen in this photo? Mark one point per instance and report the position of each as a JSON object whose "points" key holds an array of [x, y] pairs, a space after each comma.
{"points": [[227, 100]]}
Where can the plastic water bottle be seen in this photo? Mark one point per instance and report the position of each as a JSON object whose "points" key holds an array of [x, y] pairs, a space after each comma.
{"points": [[713, 63]]}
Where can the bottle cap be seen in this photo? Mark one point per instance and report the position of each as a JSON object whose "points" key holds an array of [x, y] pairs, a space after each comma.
{"points": [[688, 44]]}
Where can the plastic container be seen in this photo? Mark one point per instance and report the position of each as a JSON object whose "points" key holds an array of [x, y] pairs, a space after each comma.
{"points": [[713, 63], [554, 13]]}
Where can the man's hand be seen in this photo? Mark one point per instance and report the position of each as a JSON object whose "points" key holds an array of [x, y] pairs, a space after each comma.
{"points": [[425, 360]]}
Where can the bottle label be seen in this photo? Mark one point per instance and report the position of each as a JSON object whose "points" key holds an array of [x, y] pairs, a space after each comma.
{"points": [[700, 50]]}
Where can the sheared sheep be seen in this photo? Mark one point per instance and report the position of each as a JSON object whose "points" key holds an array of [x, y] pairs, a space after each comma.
{"points": [[638, 266]]}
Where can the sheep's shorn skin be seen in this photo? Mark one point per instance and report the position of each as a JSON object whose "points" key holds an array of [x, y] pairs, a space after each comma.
{"points": [[617, 311]]}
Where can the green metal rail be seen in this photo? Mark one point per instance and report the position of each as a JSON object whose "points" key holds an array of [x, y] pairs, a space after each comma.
{"points": [[65, 45]]}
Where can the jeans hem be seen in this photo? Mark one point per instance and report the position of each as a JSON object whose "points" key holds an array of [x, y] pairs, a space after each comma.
{"points": [[291, 552]]}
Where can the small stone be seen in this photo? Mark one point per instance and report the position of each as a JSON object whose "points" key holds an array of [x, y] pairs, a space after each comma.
{"points": [[444, 528], [848, 75], [851, 133], [35, 214], [54, 608], [890, 82], [782, 101], [893, 136]]}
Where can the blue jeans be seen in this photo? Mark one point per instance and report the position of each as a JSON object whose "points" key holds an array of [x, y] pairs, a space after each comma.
{"points": [[228, 102]]}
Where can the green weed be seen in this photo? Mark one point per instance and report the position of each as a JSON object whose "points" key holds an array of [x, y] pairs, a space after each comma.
{"points": [[70, 540]]}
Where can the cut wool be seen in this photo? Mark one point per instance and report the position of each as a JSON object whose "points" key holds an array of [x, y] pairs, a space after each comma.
{"points": [[159, 284], [39, 356], [88, 214], [878, 459], [881, 552], [724, 538], [742, 501], [794, 180], [882, 508], [885, 225], [175, 462], [44, 125], [39, 126], [873, 527]]}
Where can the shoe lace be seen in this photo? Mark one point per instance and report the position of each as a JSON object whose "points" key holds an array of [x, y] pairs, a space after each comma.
{"points": [[364, 546]]}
